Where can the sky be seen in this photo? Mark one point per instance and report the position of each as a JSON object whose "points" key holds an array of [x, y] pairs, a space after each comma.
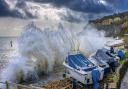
{"points": [[76, 11], [92, 7]]}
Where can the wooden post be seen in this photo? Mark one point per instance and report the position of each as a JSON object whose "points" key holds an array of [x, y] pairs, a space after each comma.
{"points": [[7, 85]]}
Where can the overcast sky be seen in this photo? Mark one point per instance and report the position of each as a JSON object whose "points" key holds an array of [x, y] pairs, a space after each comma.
{"points": [[86, 6], [93, 8]]}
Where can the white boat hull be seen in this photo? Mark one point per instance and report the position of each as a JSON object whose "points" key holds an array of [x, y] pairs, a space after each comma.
{"points": [[82, 76]]}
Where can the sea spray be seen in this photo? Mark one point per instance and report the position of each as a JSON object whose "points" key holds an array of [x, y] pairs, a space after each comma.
{"points": [[46, 46], [16, 69], [51, 46], [90, 39]]}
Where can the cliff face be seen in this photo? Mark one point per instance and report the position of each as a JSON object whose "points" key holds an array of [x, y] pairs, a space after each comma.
{"points": [[113, 25]]}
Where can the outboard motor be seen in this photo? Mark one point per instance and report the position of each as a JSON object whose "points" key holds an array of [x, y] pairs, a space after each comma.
{"points": [[96, 78]]}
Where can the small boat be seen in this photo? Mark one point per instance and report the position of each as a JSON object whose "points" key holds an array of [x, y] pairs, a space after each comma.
{"points": [[105, 59], [100, 63], [80, 68], [116, 48], [116, 44]]}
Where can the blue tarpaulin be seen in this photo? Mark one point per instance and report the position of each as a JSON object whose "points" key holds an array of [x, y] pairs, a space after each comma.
{"points": [[96, 78], [79, 61], [121, 54]]}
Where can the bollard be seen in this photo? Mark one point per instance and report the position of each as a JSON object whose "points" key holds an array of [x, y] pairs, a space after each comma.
{"points": [[7, 85]]}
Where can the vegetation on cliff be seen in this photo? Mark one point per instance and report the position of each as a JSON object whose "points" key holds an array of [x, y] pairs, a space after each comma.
{"points": [[114, 25]]}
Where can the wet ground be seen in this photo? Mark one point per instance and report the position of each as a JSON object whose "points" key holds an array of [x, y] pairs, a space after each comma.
{"points": [[124, 84]]}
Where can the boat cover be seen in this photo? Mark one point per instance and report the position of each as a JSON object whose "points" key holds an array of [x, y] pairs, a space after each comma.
{"points": [[103, 55], [79, 61], [96, 78], [121, 54], [99, 62]]}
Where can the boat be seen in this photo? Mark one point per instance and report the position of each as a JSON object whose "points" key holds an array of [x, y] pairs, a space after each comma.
{"points": [[116, 48], [100, 63], [80, 68], [106, 60], [115, 43]]}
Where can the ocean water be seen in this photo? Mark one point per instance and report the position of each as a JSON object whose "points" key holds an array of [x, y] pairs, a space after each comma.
{"points": [[6, 51]]}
